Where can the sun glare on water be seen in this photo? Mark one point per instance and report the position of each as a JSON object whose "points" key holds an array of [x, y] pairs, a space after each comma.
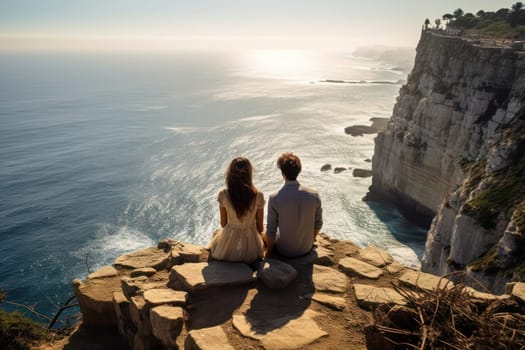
{"points": [[281, 64]]}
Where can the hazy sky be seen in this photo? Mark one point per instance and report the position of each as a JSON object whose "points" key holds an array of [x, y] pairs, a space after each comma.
{"points": [[166, 24]]}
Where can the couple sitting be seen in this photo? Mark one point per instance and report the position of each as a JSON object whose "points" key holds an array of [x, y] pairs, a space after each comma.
{"points": [[293, 222]]}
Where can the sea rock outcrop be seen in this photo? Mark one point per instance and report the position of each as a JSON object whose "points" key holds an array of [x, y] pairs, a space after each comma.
{"points": [[453, 157], [228, 306]]}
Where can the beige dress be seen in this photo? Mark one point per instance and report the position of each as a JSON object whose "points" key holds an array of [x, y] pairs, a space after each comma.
{"points": [[238, 240]]}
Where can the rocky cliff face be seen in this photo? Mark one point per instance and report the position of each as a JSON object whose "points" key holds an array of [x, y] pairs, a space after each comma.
{"points": [[454, 152]]}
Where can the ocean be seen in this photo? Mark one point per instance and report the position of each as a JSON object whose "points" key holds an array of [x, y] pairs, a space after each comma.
{"points": [[105, 153]]}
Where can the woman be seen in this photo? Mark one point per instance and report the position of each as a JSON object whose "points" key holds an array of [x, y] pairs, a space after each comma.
{"points": [[242, 209]]}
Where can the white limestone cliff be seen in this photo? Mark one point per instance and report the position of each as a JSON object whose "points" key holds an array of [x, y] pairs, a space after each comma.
{"points": [[453, 153]]}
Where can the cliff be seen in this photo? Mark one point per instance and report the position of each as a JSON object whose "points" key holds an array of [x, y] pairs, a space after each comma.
{"points": [[453, 156], [174, 296]]}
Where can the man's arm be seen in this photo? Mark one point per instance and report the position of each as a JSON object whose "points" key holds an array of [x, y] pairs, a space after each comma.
{"points": [[318, 218]]}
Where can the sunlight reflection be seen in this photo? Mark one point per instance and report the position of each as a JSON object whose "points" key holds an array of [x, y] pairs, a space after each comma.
{"points": [[281, 64]]}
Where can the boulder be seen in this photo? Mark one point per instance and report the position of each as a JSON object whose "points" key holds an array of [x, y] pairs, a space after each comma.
{"points": [[145, 271], [199, 276], [369, 297], [362, 173], [95, 298], [424, 281], [167, 296], [104, 272], [289, 332], [166, 324], [212, 338], [354, 267], [333, 302], [326, 167], [276, 274], [326, 279], [375, 256], [149, 257]]}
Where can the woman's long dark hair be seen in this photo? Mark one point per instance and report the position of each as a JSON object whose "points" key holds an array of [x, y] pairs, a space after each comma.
{"points": [[241, 190]]}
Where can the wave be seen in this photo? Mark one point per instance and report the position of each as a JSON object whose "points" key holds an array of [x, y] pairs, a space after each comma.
{"points": [[180, 129]]}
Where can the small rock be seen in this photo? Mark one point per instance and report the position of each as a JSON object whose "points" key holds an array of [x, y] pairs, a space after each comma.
{"points": [[276, 274], [368, 160], [336, 303], [338, 170], [166, 324], [369, 296], [212, 338], [165, 296], [326, 279], [360, 268], [375, 256], [362, 173], [145, 271], [198, 276], [326, 167], [104, 272]]}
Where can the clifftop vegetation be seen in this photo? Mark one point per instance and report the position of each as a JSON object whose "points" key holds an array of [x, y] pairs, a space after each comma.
{"points": [[505, 23]]}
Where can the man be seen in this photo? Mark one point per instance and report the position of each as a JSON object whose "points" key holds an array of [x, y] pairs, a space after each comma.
{"points": [[294, 213]]}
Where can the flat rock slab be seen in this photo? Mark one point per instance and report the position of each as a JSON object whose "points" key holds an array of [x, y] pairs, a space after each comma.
{"points": [[166, 324], [283, 333], [149, 257], [424, 281], [104, 272], [326, 279], [475, 294], [199, 276], [165, 296], [518, 292], [333, 302], [355, 267], [213, 338], [375, 256], [276, 274], [369, 296]]}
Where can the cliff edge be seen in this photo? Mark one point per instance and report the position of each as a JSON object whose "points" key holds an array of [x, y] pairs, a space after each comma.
{"points": [[453, 156]]}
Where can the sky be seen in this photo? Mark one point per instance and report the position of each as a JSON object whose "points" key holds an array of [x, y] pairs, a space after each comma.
{"points": [[227, 24]]}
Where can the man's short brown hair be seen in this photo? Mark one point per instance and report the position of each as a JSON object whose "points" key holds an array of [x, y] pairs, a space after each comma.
{"points": [[290, 165]]}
